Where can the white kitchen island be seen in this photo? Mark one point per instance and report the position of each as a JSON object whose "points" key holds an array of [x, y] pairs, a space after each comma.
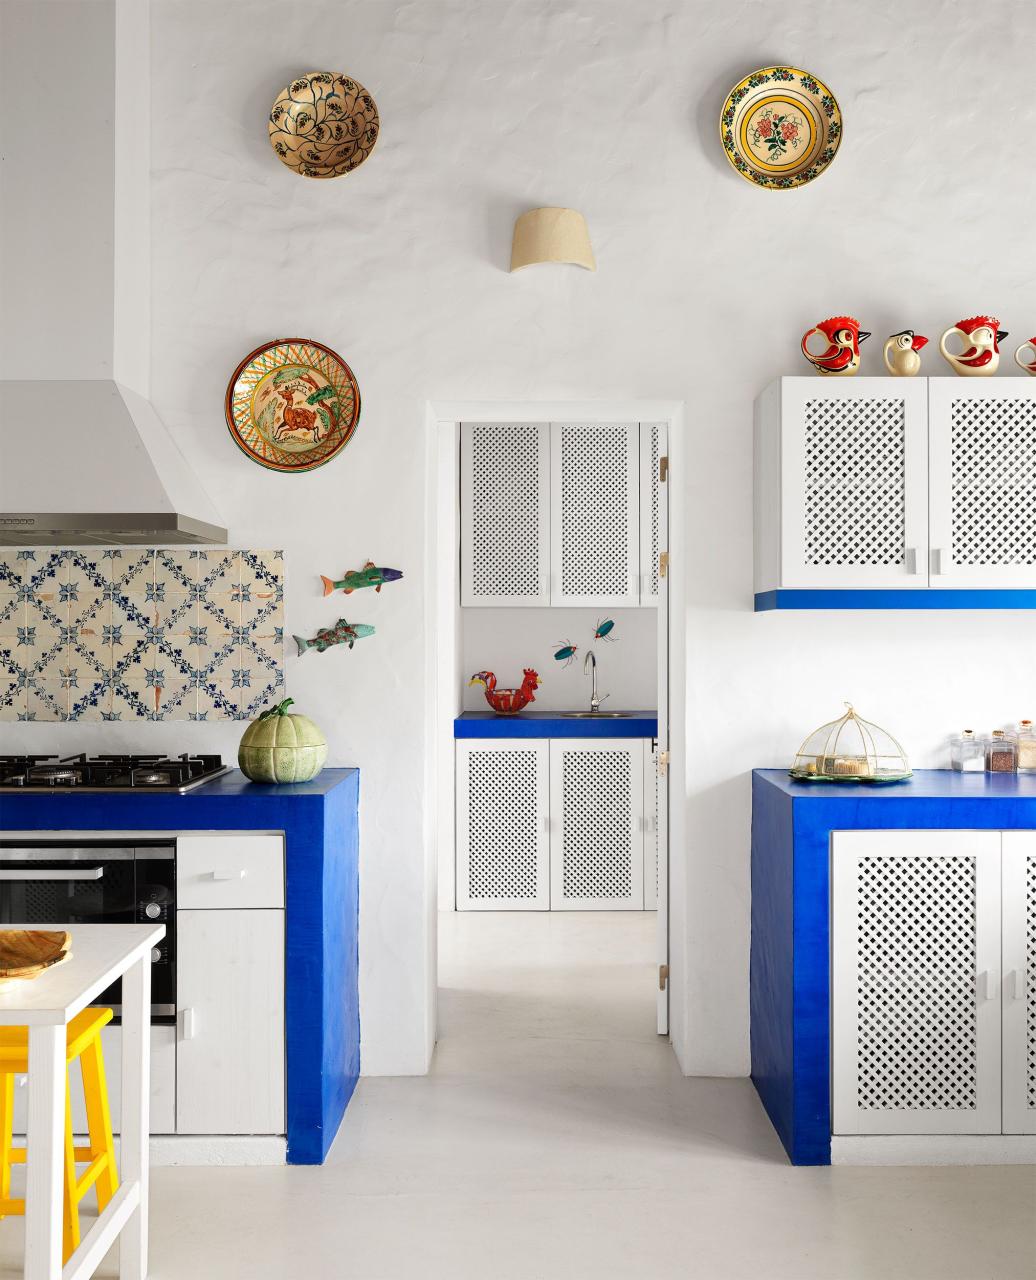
{"points": [[100, 954]]}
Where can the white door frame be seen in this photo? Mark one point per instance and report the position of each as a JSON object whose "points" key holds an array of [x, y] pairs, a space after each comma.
{"points": [[443, 658]]}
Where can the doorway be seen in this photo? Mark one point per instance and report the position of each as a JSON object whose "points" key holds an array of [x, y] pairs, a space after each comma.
{"points": [[651, 938]]}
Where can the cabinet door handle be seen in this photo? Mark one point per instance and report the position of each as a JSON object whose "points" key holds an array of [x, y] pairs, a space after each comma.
{"points": [[226, 875], [912, 560], [187, 1024], [986, 984], [937, 560], [1017, 984]]}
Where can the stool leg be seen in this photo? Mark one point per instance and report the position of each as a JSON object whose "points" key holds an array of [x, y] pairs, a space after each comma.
{"points": [[99, 1120], [70, 1232], [6, 1134]]}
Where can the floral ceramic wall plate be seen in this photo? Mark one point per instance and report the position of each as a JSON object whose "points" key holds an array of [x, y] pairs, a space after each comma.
{"points": [[292, 404], [781, 127], [323, 125]]}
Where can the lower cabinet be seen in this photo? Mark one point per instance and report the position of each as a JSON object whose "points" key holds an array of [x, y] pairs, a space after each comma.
{"points": [[556, 824], [933, 938], [230, 1002]]}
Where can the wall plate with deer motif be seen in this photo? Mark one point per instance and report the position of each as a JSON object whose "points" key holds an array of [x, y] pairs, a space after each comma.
{"points": [[780, 127], [292, 404]]}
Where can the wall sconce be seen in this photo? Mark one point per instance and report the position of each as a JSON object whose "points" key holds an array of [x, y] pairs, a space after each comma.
{"points": [[552, 235]]}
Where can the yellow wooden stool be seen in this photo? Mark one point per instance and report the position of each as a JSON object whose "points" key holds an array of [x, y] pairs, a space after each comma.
{"points": [[83, 1041]]}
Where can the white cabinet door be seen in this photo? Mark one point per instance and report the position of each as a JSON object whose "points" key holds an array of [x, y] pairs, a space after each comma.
{"points": [[853, 482], [1019, 986], [653, 533], [915, 939], [503, 845], [594, 522], [230, 1002], [982, 441], [505, 513], [652, 827], [596, 824]]}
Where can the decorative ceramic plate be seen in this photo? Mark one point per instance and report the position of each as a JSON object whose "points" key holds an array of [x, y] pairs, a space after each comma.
{"points": [[26, 953], [292, 404], [780, 127], [323, 125]]}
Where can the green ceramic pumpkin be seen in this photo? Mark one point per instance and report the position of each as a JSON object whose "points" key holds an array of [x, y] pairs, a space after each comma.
{"points": [[279, 747]]}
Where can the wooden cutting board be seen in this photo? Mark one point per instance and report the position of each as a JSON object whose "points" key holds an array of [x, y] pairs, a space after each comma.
{"points": [[26, 953]]}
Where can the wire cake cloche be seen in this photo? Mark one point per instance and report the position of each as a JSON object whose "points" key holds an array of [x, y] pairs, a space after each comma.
{"points": [[850, 750]]}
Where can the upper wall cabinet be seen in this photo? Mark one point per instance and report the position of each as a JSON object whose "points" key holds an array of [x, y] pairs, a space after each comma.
{"points": [[561, 513], [895, 493]]}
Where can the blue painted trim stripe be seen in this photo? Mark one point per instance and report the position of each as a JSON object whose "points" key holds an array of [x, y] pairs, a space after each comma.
{"points": [[555, 727], [909, 598]]}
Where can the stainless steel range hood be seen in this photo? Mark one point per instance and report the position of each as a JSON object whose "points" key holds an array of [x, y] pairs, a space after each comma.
{"points": [[84, 457]]}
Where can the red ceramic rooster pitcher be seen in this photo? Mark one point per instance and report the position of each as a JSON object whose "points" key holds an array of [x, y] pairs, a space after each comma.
{"points": [[841, 356]]}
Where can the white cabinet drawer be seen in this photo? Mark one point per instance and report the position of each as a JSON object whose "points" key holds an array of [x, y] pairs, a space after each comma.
{"points": [[229, 871]]}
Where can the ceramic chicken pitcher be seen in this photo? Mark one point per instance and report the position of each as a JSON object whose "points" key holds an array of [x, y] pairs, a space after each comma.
{"points": [[980, 355], [841, 356], [901, 353], [1026, 362]]}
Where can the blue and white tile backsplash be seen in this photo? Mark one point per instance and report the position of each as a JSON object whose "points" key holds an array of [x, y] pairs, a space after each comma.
{"points": [[132, 634]]}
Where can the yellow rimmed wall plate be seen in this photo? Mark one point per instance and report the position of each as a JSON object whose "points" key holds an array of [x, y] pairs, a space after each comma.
{"points": [[781, 127]]}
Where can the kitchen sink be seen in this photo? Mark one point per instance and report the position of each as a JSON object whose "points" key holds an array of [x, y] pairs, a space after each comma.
{"points": [[596, 715]]}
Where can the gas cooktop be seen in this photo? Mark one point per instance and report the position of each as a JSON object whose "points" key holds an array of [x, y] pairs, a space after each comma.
{"points": [[108, 773]]}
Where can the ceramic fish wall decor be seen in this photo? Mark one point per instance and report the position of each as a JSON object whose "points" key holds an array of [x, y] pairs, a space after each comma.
{"points": [[371, 575], [341, 633]]}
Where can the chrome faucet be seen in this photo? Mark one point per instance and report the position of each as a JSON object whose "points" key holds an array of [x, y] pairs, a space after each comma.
{"points": [[595, 701]]}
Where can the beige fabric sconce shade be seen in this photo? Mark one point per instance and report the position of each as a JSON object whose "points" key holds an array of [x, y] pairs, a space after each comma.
{"points": [[552, 235]]}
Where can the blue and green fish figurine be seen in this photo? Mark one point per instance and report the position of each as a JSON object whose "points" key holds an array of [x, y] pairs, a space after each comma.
{"points": [[566, 652], [341, 633], [371, 575]]}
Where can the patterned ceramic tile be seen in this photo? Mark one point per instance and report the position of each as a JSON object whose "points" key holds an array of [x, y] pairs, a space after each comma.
{"points": [[133, 634]]}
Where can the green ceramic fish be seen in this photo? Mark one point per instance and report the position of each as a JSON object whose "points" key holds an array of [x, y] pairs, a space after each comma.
{"points": [[369, 576], [341, 633]]}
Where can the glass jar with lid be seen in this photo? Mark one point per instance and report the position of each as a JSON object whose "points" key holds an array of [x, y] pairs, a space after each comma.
{"points": [[1001, 753], [1026, 747], [968, 753]]}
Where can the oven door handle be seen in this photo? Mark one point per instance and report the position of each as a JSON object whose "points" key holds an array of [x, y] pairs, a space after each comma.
{"points": [[57, 873]]}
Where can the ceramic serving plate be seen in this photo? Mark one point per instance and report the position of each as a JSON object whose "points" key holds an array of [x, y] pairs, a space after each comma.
{"points": [[292, 404], [323, 125], [26, 953], [781, 127]]}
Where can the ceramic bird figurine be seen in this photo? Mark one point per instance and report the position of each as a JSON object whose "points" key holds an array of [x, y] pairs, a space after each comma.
{"points": [[842, 355], [900, 353], [507, 702], [1028, 365], [982, 336]]}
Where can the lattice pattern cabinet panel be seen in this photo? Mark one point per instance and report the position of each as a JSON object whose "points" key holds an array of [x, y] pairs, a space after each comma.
{"points": [[983, 483], [653, 514], [596, 829], [595, 504], [841, 480], [1019, 985], [503, 846], [916, 961], [652, 827], [505, 513]]}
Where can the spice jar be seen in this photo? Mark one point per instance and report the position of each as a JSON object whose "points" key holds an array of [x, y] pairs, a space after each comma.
{"points": [[968, 753], [1026, 747], [1001, 753]]}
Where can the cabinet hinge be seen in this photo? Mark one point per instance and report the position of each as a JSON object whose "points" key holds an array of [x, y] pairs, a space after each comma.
{"points": [[663, 563], [663, 976], [663, 469], [663, 762]]}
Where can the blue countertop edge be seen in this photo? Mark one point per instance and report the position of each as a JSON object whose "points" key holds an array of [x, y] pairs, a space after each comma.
{"points": [[926, 784], [320, 822], [552, 724], [894, 598]]}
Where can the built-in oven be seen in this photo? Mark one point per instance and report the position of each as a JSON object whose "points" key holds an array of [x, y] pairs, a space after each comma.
{"points": [[106, 881]]}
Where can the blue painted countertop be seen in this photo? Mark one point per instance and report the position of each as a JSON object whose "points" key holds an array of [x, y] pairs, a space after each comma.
{"points": [[321, 854], [926, 784], [552, 724]]}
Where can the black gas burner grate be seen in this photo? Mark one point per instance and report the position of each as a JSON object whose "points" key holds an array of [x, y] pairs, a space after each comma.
{"points": [[108, 772]]}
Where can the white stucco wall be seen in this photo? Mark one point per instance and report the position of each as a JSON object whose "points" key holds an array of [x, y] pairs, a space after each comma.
{"points": [[704, 286]]}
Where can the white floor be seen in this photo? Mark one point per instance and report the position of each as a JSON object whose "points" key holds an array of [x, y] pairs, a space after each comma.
{"points": [[555, 1138]]}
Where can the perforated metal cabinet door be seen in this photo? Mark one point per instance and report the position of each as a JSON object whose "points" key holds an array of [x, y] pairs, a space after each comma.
{"points": [[505, 513], [982, 441], [594, 513], [1019, 985], [915, 996], [503, 846], [854, 482], [596, 824]]}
